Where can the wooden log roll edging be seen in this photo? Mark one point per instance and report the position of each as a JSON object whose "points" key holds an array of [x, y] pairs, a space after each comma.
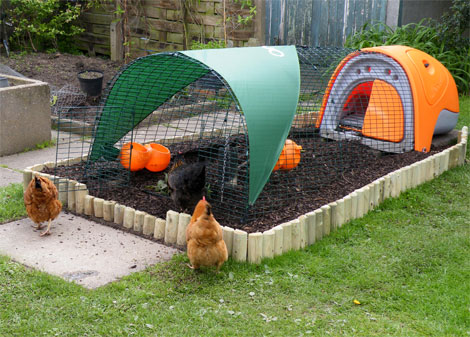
{"points": [[108, 210], [98, 207], [149, 225]]}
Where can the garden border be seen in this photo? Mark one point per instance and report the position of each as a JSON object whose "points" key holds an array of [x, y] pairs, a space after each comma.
{"points": [[293, 235]]}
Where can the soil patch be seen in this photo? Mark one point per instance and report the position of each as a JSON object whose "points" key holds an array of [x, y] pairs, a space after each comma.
{"points": [[59, 69], [370, 166]]}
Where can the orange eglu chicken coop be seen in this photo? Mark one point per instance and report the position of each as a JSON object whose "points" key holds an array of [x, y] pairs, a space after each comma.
{"points": [[391, 98]]}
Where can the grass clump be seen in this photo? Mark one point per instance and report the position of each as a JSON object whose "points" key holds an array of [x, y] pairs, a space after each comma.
{"points": [[464, 116], [11, 203], [43, 145]]}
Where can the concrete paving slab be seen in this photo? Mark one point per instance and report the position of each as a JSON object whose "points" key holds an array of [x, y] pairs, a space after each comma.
{"points": [[20, 161], [80, 251], [8, 177], [67, 141], [154, 133], [208, 122], [72, 150], [65, 136], [193, 124]]}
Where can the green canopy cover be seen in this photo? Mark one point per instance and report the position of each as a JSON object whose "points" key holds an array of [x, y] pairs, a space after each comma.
{"points": [[265, 80]]}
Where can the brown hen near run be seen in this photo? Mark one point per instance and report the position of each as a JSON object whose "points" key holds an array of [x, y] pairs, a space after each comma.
{"points": [[40, 199], [205, 244]]}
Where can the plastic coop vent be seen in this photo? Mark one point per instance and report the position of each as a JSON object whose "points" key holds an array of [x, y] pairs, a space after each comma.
{"points": [[239, 110]]}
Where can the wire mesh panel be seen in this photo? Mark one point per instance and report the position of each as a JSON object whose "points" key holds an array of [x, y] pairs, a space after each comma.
{"points": [[75, 127], [189, 109], [202, 123], [73, 134], [65, 97], [321, 161]]}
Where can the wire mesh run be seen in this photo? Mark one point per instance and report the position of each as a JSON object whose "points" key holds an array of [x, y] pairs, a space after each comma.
{"points": [[202, 123], [193, 112], [65, 97], [75, 126], [321, 161]]}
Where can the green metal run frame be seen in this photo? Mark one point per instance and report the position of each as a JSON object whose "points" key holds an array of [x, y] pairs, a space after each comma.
{"points": [[165, 74], [265, 81]]}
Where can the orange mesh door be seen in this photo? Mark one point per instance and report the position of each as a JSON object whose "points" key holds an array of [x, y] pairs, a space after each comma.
{"points": [[384, 115]]}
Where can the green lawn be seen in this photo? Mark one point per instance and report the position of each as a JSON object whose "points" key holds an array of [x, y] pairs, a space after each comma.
{"points": [[464, 118], [407, 263], [11, 203]]}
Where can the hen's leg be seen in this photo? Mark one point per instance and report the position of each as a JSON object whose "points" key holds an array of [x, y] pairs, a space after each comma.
{"points": [[194, 267], [37, 226], [218, 267], [47, 231]]}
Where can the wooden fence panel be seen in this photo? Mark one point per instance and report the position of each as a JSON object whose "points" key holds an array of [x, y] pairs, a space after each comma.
{"points": [[319, 22], [162, 25]]}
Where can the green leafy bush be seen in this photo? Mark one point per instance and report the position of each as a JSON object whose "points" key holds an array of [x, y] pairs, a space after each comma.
{"points": [[43, 25], [443, 40], [454, 24]]}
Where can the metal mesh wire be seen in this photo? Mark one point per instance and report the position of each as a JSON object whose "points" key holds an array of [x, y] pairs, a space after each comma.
{"points": [[321, 161], [202, 122], [75, 126], [66, 96], [369, 103]]}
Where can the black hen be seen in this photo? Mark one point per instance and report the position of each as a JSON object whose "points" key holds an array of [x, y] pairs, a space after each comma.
{"points": [[186, 183]]}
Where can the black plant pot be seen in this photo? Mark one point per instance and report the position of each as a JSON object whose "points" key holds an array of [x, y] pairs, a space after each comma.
{"points": [[91, 82]]}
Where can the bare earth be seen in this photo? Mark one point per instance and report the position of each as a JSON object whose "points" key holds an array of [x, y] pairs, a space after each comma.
{"points": [[59, 69]]}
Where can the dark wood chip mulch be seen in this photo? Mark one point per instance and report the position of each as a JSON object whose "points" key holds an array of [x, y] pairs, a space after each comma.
{"points": [[372, 167]]}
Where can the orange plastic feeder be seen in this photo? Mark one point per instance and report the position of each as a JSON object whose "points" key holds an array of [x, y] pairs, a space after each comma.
{"points": [[290, 156], [159, 157], [134, 156]]}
